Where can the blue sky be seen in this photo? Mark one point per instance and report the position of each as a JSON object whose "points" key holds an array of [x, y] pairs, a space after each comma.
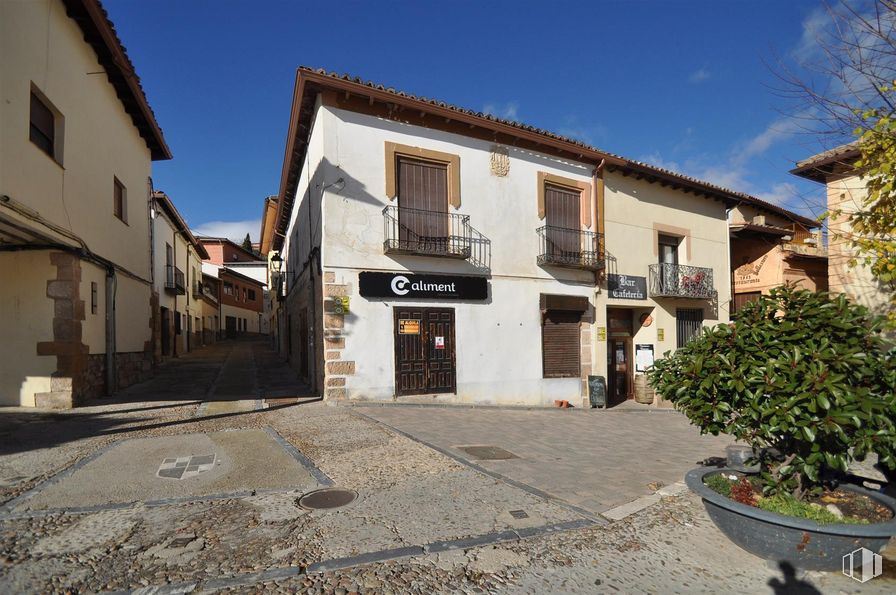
{"points": [[685, 85]]}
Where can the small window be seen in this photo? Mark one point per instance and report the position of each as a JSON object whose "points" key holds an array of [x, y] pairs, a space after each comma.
{"points": [[560, 344], [689, 323], [120, 197], [244, 294], [93, 297], [228, 288], [251, 295], [45, 127]]}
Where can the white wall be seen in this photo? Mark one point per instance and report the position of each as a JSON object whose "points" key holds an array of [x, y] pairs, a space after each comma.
{"points": [[499, 355]]}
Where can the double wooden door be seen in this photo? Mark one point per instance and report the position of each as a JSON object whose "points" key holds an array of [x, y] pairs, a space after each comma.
{"points": [[424, 351]]}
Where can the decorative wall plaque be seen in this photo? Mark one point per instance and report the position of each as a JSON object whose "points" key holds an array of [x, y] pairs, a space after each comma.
{"points": [[500, 161]]}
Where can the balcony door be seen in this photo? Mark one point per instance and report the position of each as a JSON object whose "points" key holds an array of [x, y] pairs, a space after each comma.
{"points": [[562, 210], [668, 261], [422, 205]]}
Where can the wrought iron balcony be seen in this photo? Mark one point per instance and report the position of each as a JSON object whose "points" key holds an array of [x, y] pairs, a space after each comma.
{"points": [[572, 248], [174, 280], [681, 281], [427, 233]]}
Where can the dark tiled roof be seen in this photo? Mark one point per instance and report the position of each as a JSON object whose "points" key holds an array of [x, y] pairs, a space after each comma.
{"points": [[570, 145], [836, 160]]}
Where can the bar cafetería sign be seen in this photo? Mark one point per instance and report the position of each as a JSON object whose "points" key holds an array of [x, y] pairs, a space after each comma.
{"points": [[427, 287]]}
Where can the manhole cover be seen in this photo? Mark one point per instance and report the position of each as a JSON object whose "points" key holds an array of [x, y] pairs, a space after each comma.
{"points": [[519, 514], [488, 453], [327, 498], [185, 467]]}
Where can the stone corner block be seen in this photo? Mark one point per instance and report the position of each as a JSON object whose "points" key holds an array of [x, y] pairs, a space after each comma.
{"points": [[335, 393], [54, 400], [341, 368]]}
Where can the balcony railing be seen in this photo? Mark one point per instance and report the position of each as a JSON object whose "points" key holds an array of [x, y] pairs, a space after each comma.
{"points": [[572, 248], [427, 233], [682, 281], [174, 280]]}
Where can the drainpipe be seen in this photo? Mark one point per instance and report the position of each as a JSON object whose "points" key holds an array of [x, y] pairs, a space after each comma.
{"points": [[597, 178], [111, 383]]}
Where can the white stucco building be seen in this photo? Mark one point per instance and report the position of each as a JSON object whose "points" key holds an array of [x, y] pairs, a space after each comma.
{"points": [[77, 142], [439, 255]]}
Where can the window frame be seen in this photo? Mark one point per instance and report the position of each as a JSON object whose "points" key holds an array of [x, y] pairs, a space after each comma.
{"points": [[119, 200], [55, 140]]}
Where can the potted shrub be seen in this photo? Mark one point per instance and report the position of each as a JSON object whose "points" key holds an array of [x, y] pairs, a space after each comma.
{"points": [[807, 380]]}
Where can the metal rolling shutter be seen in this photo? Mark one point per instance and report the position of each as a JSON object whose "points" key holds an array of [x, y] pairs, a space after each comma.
{"points": [[560, 344]]}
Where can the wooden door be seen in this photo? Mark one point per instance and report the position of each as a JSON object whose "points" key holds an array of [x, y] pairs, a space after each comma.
{"points": [[422, 204], [166, 332], [304, 340], [230, 326], [620, 369], [563, 217], [424, 350], [440, 376]]}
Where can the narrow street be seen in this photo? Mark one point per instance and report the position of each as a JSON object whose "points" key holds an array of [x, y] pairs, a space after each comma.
{"points": [[191, 482]]}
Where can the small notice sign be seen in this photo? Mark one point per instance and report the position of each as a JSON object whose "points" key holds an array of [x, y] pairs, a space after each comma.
{"points": [[440, 342], [601, 333], [340, 304], [660, 334], [643, 357], [408, 327]]}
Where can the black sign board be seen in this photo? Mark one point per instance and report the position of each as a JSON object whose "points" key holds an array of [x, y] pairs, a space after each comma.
{"points": [[627, 287], [597, 391], [422, 287]]}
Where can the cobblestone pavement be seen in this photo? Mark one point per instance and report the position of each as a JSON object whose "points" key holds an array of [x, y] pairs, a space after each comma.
{"points": [[423, 522], [595, 459]]}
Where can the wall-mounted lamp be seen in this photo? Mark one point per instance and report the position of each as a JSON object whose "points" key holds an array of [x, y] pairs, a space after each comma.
{"points": [[277, 262]]}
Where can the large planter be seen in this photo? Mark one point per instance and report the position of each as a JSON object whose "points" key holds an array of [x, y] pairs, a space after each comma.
{"points": [[803, 543]]}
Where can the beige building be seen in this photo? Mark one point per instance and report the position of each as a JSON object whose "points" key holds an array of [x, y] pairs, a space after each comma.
{"points": [[184, 304], [846, 194], [771, 246], [76, 149], [434, 254]]}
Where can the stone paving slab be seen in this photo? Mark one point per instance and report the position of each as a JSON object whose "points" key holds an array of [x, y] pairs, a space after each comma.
{"points": [[596, 460], [129, 471]]}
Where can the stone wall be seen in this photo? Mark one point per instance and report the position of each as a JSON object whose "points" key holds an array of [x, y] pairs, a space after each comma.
{"points": [[133, 367]]}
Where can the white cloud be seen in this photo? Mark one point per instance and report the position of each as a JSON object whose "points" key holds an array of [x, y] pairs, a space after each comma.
{"points": [[698, 76], [780, 194], [508, 111], [232, 230]]}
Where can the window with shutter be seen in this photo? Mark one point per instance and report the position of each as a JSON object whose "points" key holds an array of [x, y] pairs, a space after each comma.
{"points": [[43, 126], [560, 341], [120, 200]]}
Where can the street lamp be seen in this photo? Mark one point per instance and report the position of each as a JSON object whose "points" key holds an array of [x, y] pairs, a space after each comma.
{"points": [[277, 262]]}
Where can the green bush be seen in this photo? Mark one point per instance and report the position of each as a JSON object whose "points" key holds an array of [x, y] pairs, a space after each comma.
{"points": [[807, 374]]}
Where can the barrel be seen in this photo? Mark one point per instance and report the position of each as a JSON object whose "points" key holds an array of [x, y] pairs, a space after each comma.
{"points": [[643, 392]]}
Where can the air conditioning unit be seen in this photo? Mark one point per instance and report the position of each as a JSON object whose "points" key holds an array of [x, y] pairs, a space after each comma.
{"points": [[759, 220]]}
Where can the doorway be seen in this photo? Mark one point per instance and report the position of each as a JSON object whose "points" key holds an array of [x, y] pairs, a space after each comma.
{"points": [[230, 326], [304, 340], [620, 367], [424, 351], [166, 332]]}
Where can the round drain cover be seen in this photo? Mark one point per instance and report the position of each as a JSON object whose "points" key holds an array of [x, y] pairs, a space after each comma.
{"points": [[327, 498]]}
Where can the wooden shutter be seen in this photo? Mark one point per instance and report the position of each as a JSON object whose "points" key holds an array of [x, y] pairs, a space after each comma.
{"points": [[43, 126], [560, 344], [562, 209], [423, 187]]}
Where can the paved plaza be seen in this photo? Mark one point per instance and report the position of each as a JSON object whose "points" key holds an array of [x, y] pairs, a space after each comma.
{"points": [[161, 490], [595, 459]]}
